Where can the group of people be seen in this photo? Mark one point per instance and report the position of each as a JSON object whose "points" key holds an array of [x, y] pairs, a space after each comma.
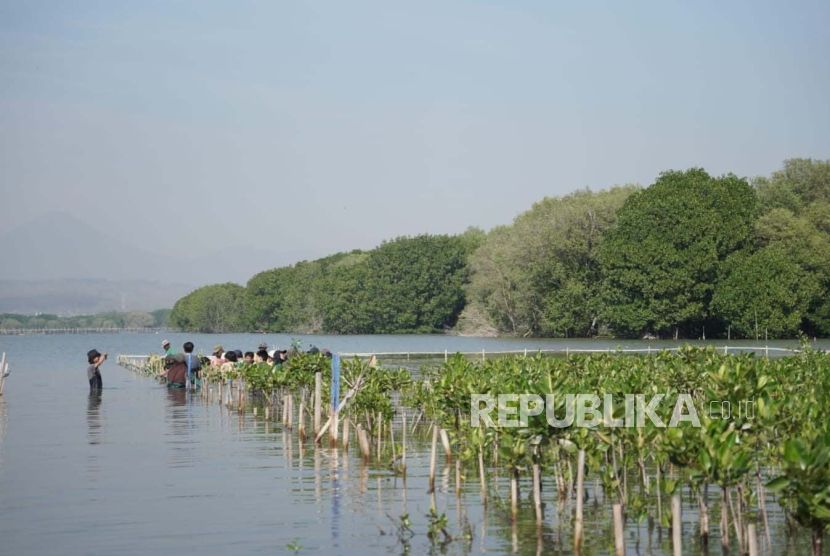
{"points": [[183, 369], [262, 355]]}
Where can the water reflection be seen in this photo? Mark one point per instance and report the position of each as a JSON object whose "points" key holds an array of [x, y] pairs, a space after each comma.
{"points": [[93, 417], [177, 396], [3, 419], [180, 419]]}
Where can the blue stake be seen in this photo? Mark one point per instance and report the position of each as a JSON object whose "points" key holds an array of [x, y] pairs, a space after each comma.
{"points": [[335, 381]]}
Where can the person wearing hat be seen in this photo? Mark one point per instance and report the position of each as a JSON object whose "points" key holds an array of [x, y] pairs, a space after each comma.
{"points": [[263, 346], [217, 359], [93, 372], [168, 349]]}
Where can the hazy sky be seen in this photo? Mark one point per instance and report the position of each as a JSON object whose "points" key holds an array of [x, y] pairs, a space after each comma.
{"points": [[312, 127]]}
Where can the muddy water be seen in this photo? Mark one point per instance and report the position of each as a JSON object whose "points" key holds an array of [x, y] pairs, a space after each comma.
{"points": [[141, 469]]}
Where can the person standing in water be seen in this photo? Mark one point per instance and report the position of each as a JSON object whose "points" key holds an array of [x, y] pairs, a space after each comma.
{"points": [[93, 372], [168, 349]]}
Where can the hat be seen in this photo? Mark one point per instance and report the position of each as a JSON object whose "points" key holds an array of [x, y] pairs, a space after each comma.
{"points": [[272, 353], [218, 349], [165, 343], [263, 346], [92, 354]]}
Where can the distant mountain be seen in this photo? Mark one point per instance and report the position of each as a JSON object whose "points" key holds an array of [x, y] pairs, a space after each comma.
{"points": [[58, 245], [60, 263], [80, 297]]}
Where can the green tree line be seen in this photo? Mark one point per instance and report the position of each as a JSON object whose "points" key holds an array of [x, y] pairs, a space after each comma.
{"points": [[692, 255], [115, 319]]}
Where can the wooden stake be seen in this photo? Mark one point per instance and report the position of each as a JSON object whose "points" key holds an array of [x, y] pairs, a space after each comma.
{"points": [[363, 442], [301, 421], [285, 409], [458, 477], [335, 426], [318, 388], [676, 525], [514, 493], [2, 373], [403, 447], [392, 440], [753, 539], [580, 496], [724, 520], [659, 500], [762, 506], [481, 476], [379, 432], [346, 432], [432, 458], [290, 411], [537, 492], [445, 441], [619, 537], [704, 515]]}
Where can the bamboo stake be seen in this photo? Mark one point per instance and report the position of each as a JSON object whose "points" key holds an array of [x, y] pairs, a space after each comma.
{"points": [[514, 493], [379, 432], [2, 373], [537, 492], [392, 440], [432, 459], [318, 387], [736, 522], [403, 448], [285, 409], [753, 539], [580, 494], [659, 500], [458, 477], [290, 411], [347, 424], [301, 421], [724, 520], [335, 426], [676, 524], [762, 506], [363, 442], [481, 476], [619, 537], [704, 514], [445, 441]]}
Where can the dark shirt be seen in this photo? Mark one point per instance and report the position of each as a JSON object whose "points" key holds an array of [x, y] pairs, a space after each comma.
{"points": [[195, 364]]}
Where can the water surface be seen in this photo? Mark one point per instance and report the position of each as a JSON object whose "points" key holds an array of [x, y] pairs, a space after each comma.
{"points": [[142, 469]]}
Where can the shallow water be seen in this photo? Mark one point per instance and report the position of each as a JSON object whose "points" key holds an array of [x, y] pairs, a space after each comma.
{"points": [[143, 469]]}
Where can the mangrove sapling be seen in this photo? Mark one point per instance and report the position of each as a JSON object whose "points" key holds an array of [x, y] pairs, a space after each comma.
{"points": [[805, 484], [437, 531]]}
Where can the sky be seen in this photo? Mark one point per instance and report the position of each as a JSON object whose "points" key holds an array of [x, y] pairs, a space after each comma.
{"points": [[306, 128]]}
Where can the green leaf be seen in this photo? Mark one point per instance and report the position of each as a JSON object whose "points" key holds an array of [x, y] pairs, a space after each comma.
{"points": [[778, 484]]}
